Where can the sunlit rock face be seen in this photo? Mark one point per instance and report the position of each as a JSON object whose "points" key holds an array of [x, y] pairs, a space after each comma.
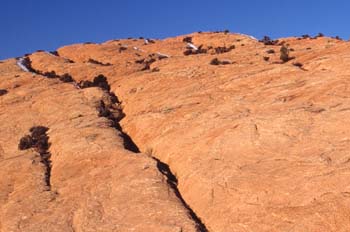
{"points": [[203, 132]]}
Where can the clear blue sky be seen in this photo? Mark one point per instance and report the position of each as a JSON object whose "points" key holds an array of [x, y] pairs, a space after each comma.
{"points": [[29, 25]]}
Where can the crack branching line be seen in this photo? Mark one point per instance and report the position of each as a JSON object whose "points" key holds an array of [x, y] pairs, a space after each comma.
{"points": [[115, 114], [26, 65], [172, 182], [112, 110]]}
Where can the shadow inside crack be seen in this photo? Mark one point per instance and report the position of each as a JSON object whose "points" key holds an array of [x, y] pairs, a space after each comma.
{"points": [[172, 182]]}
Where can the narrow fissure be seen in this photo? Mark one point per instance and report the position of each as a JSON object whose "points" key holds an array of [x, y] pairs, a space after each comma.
{"points": [[26, 65], [112, 110], [115, 113], [172, 182], [39, 141]]}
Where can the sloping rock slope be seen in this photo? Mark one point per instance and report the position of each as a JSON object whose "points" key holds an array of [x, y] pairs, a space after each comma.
{"points": [[241, 143]]}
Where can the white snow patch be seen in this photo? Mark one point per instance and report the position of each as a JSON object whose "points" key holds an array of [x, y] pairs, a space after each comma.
{"points": [[76, 85], [162, 55], [190, 45], [137, 49], [251, 37], [21, 63], [49, 53]]}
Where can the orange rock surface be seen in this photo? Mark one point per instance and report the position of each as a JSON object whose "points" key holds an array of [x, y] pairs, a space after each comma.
{"points": [[252, 145]]}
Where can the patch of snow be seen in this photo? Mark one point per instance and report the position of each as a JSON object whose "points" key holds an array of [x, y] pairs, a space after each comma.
{"points": [[76, 85], [190, 45], [21, 63], [251, 37], [162, 55], [49, 53], [137, 49]]}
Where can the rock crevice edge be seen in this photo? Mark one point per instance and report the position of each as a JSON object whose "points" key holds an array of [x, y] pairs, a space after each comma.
{"points": [[108, 110]]}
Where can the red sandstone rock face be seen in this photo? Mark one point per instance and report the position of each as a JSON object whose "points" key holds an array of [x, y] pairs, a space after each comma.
{"points": [[255, 145], [96, 184]]}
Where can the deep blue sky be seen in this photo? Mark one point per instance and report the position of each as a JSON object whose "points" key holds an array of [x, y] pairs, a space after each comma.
{"points": [[29, 25]]}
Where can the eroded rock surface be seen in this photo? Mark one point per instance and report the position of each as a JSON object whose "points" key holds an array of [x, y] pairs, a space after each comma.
{"points": [[96, 184], [253, 145]]}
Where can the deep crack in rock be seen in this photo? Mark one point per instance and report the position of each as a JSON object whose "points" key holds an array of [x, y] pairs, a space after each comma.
{"points": [[26, 64], [39, 140], [114, 113], [3, 92], [130, 145], [172, 182]]}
